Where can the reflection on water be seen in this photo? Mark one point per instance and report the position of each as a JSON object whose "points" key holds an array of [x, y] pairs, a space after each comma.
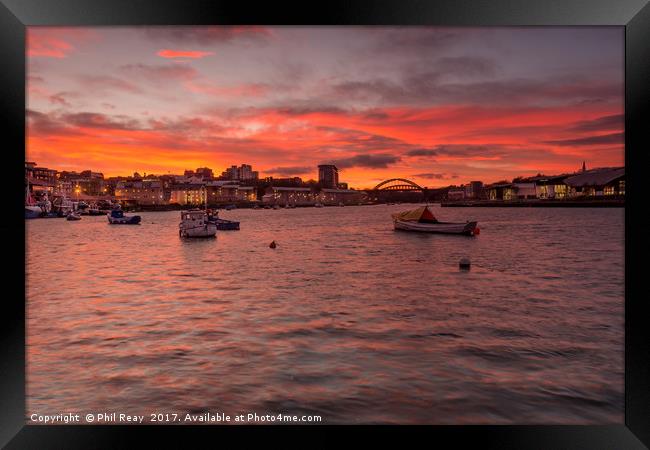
{"points": [[346, 318]]}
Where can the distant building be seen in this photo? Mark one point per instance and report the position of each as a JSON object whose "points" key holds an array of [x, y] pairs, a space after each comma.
{"points": [[328, 176], [228, 192], [244, 172], [204, 173], [342, 196]]}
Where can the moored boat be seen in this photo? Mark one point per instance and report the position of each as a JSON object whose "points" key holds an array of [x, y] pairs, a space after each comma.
{"points": [[73, 215], [195, 223], [117, 217], [422, 220]]}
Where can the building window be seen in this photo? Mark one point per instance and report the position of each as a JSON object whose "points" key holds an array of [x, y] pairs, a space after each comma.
{"points": [[609, 190], [621, 187]]}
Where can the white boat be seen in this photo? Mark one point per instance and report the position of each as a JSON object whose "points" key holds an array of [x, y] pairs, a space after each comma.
{"points": [[73, 215], [195, 223], [423, 220]]}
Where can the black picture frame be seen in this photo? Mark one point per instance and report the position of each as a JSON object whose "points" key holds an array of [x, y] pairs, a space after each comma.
{"points": [[634, 15]]}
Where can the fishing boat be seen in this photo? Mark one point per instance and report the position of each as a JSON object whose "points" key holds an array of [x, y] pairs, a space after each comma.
{"points": [[73, 215], [195, 223], [422, 219], [117, 217]]}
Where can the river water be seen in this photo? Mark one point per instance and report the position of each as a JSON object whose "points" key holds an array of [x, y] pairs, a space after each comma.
{"points": [[346, 318]]}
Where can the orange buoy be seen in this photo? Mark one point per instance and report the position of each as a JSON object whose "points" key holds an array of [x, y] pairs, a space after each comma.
{"points": [[272, 244], [477, 230]]}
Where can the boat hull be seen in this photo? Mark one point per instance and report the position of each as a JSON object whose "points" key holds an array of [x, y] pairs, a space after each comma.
{"points": [[33, 212], [466, 228], [223, 224], [204, 231], [132, 220]]}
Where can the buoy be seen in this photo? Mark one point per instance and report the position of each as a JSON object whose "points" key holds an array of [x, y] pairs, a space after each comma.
{"points": [[273, 244], [464, 263], [477, 230]]}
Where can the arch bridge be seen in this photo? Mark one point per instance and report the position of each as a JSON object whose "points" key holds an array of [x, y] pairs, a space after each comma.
{"points": [[398, 184]]}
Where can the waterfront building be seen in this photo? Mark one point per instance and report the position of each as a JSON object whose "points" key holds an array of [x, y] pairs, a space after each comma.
{"points": [[228, 192], [298, 196], [328, 176], [474, 190], [456, 194], [141, 192], [498, 191], [40, 179], [551, 187], [521, 191], [341, 196], [290, 181], [187, 194], [606, 181]]}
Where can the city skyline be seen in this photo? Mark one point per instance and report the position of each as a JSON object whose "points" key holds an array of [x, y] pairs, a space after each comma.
{"points": [[440, 106]]}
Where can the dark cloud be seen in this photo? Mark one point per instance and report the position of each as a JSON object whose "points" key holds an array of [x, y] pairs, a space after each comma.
{"points": [[429, 88], [59, 99], [40, 124], [465, 66], [605, 123], [103, 121], [313, 109], [458, 150], [603, 139], [378, 161], [156, 72], [104, 83], [430, 176], [290, 170], [417, 40], [422, 152], [206, 35]]}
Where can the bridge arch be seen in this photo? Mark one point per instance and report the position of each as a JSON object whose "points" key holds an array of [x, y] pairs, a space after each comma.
{"points": [[401, 184]]}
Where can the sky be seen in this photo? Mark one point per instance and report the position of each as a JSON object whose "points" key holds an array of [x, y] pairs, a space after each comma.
{"points": [[438, 106]]}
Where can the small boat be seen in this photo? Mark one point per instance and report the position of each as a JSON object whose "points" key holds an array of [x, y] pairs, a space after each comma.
{"points": [[195, 223], [276, 206], [117, 217], [318, 205], [423, 220], [73, 215], [94, 211], [222, 224]]}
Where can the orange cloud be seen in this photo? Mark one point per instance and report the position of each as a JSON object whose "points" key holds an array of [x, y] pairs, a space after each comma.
{"points": [[167, 53]]}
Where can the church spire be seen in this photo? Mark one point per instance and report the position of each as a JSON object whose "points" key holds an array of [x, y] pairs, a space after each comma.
{"points": [[584, 167]]}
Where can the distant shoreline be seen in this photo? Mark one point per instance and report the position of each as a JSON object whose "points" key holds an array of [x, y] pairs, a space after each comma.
{"points": [[537, 204]]}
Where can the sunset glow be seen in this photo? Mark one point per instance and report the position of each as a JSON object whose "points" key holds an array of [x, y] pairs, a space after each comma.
{"points": [[439, 106]]}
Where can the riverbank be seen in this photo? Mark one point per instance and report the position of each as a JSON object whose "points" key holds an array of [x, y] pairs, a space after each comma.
{"points": [[538, 204]]}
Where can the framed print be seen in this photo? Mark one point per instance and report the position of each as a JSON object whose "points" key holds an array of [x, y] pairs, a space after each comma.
{"points": [[398, 219]]}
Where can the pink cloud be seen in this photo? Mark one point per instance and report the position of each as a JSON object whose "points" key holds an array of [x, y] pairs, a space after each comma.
{"points": [[56, 42], [193, 54]]}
